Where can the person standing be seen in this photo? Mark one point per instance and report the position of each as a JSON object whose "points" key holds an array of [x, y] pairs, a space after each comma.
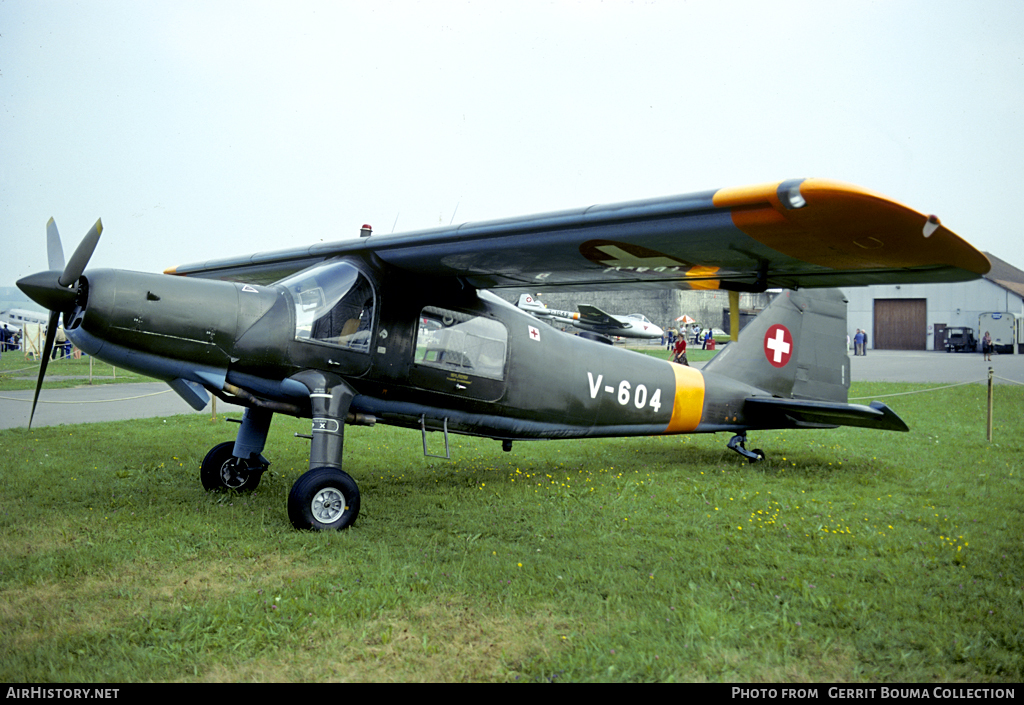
{"points": [[858, 342], [986, 346], [680, 352]]}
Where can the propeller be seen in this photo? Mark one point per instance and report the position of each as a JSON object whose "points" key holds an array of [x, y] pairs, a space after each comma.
{"points": [[58, 289]]}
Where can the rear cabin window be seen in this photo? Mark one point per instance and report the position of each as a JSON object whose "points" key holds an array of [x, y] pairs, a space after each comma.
{"points": [[461, 342]]}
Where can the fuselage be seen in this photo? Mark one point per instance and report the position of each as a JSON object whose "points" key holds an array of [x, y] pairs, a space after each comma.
{"points": [[417, 353], [14, 319]]}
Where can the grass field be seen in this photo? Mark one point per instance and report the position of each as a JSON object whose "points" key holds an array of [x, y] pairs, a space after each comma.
{"points": [[849, 555], [17, 372]]}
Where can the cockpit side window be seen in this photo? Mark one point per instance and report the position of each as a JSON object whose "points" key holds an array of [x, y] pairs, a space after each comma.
{"points": [[333, 305], [462, 343]]}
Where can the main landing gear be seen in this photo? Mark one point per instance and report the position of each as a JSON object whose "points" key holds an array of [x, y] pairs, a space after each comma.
{"points": [[323, 498], [738, 443]]}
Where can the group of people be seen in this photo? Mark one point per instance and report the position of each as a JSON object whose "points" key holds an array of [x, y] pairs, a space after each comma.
{"points": [[860, 342], [9, 339]]}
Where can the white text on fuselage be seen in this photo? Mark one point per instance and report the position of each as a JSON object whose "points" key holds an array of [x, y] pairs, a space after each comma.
{"points": [[625, 393]]}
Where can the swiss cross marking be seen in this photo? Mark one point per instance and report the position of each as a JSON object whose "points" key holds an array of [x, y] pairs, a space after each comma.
{"points": [[778, 345], [534, 333]]}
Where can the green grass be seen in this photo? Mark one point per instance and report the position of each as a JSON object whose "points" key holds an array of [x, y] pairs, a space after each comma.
{"points": [[849, 555], [693, 353], [18, 372]]}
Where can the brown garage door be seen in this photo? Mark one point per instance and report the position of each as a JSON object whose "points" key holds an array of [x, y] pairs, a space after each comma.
{"points": [[901, 324]]}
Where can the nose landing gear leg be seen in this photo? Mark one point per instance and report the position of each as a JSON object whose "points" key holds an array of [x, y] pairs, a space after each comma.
{"points": [[325, 497]]}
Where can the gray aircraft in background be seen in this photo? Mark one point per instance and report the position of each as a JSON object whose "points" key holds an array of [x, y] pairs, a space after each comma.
{"points": [[594, 320]]}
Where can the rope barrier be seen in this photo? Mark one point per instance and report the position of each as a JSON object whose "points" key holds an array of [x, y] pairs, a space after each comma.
{"points": [[94, 401], [921, 391], [23, 369]]}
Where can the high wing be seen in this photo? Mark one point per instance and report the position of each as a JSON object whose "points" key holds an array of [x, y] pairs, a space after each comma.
{"points": [[792, 234]]}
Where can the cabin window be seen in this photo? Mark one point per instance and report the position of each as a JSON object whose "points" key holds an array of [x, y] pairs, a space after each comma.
{"points": [[462, 343], [333, 305]]}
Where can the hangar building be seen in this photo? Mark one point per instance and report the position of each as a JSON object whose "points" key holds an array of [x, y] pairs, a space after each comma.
{"points": [[915, 316]]}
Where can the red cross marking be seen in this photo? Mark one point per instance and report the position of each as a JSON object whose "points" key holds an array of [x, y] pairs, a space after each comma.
{"points": [[778, 345]]}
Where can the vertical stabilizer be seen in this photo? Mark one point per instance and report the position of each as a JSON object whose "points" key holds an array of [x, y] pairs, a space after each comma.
{"points": [[795, 349]]}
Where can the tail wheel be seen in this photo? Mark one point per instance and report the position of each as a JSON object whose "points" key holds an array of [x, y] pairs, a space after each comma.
{"points": [[323, 499], [759, 456], [221, 470]]}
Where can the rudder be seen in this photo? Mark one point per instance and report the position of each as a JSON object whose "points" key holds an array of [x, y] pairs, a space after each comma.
{"points": [[795, 348]]}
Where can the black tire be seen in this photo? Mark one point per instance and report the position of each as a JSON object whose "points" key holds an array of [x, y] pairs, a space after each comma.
{"points": [[223, 471], [323, 499], [760, 456]]}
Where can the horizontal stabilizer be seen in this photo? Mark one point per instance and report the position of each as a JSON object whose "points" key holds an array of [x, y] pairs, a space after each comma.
{"points": [[810, 414]]}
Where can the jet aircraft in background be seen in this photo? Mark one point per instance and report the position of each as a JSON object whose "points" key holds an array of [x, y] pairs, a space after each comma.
{"points": [[592, 319]]}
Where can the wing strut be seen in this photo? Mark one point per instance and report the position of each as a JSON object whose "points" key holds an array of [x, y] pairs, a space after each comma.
{"points": [[734, 315]]}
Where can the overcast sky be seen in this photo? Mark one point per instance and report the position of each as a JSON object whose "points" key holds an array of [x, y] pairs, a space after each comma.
{"points": [[209, 129]]}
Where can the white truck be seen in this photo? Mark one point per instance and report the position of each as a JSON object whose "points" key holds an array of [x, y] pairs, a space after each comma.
{"points": [[1006, 329]]}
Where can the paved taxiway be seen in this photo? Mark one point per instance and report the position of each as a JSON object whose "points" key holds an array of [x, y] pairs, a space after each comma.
{"points": [[118, 402], [102, 402]]}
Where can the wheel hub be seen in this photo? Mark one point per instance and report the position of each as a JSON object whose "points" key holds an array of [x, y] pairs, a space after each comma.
{"points": [[233, 473], [328, 504]]}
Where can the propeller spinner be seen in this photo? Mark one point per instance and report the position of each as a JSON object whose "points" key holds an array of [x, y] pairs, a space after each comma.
{"points": [[58, 289]]}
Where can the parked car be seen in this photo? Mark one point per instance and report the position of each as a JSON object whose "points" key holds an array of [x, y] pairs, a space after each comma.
{"points": [[960, 339]]}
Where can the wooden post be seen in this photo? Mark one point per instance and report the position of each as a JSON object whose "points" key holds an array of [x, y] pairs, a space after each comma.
{"points": [[990, 404]]}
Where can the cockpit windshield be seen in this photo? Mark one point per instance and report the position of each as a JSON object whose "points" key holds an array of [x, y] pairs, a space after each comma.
{"points": [[333, 305]]}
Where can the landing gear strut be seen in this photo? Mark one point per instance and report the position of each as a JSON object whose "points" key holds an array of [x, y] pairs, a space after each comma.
{"points": [[325, 497], [221, 470], [238, 465], [738, 443]]}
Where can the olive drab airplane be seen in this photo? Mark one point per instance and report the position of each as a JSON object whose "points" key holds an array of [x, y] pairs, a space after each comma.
{"points": [[593, 320], [401, 329]]}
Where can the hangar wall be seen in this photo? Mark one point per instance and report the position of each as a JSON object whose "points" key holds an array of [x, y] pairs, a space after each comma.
{"points": [[949, 304]]}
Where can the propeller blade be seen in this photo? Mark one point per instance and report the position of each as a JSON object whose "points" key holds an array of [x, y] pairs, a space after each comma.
{"points": [[54, 250], [76, 265], [51, 334]]}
